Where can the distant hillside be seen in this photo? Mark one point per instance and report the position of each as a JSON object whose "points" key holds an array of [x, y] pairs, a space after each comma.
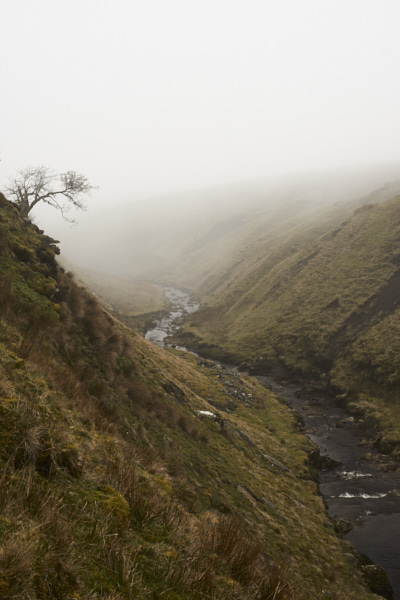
{"points": [[192, 236], [324, 306], [125, 298], [130, 472], [269, 225]]}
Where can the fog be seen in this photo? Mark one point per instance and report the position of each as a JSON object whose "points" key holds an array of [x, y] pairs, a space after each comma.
{"points": [[154, 238], [152, 98], [192, 116]]}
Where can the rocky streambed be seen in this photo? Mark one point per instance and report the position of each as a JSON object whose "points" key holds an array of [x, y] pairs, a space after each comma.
{"points": [[360, 486], [181, 305]]}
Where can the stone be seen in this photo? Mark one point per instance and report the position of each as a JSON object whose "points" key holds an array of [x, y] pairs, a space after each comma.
{"points": [[343, 526], [206, 413], [377, 580], [322, 463]]}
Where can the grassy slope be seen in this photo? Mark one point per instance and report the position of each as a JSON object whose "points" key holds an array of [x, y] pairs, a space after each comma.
{"points": [[331, 307], [112, 486], [227, 243]]}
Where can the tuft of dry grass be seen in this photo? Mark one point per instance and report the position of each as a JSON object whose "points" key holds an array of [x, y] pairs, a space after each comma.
{"points": [[218, 545], [7, 300], [17, 558]]}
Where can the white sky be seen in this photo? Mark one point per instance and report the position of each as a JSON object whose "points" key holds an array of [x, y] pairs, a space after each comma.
{"points": [[154, 96]]}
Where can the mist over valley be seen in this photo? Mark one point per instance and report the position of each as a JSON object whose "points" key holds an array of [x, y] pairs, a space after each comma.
{"points": [[200, 300]]}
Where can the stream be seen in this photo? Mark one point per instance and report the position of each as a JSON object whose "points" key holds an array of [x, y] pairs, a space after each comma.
{"points": [[363, 487], [181, 305]]}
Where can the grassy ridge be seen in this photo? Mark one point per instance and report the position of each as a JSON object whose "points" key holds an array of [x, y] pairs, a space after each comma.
{"points": [[115, 484]]}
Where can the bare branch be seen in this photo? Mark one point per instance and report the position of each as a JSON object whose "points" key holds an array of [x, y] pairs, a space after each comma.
{"points": [[39, 184]]}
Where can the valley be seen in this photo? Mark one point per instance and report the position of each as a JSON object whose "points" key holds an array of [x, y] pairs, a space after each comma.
{"points": [[200, 300], [360, 486], [180, 450]]}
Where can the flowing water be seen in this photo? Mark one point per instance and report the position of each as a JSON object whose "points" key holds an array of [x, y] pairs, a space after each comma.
{"points": [[181, 305], [362, 488]]}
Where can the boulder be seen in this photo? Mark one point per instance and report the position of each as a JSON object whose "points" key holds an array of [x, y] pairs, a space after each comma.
{"points": [[322, 463], [343, 526], [377, 580]]}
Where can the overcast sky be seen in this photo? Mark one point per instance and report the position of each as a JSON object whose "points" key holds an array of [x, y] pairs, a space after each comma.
{"points": [[154, 96]]}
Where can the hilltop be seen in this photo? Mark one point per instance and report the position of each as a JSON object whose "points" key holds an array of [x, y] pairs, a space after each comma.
{"points": [[129, 471]]}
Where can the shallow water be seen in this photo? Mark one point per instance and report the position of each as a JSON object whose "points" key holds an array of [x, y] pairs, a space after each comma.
{"points": [[181, 305]]}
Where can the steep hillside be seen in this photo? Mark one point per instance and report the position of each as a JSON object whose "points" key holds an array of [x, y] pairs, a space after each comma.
{"points": [[329, 310], [231, 252], [132, 472]]}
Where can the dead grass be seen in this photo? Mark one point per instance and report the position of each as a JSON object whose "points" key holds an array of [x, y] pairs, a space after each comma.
{"points": [[17, 558], [7, 301], [218, 544]]}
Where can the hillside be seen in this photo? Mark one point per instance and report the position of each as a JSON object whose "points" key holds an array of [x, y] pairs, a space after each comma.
{"points": [[128, 471], [194, 238], [327, 308]]}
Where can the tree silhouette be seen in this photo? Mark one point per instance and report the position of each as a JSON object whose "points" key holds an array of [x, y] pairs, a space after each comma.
{"points": [[39, 184]]}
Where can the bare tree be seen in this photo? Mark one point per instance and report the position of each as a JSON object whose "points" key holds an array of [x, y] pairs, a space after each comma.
{"points": [[39, 184]]}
